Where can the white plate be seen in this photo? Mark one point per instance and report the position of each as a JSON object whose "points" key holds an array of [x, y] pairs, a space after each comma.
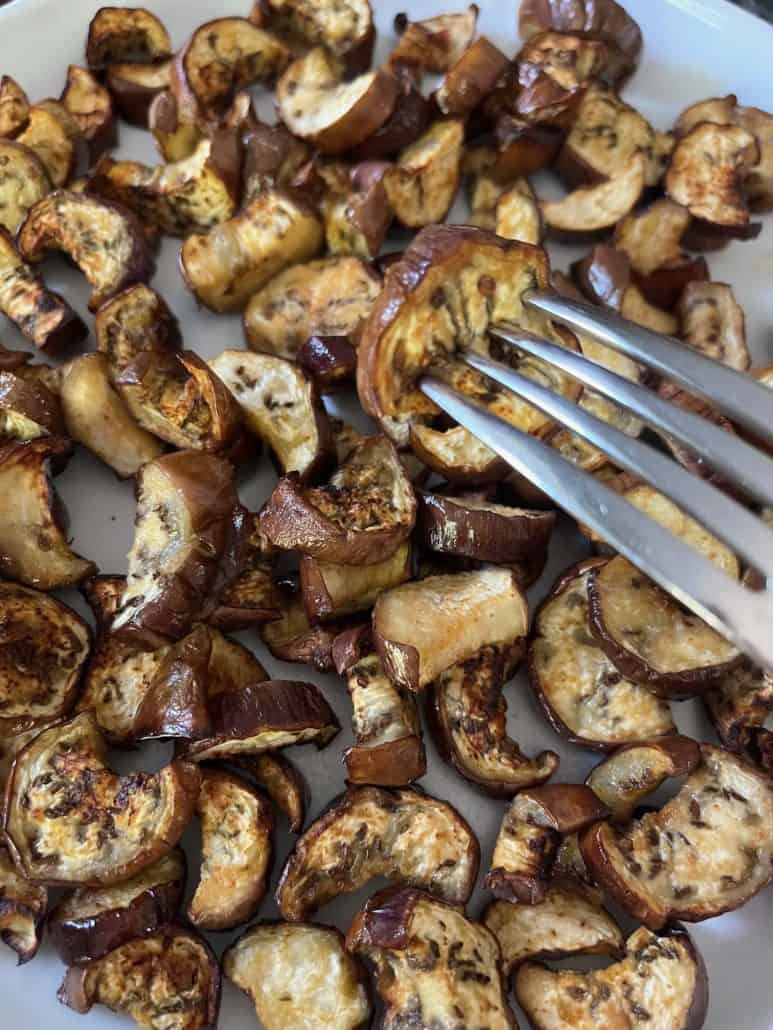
{"points": [[693, 49]]}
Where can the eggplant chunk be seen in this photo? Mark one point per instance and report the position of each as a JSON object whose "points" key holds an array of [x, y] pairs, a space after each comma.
{"points": [[71, 820], [570, 920], [388, 750], [252, 598], [283, 783], [272, 157], [344, 29], [299, 976], [592, 209], [333, 115], [623, 780], [47, 137], [14, 108], [423, 628], [22, 910], [327, 297], [104, 240], [403, 835], [661, 982], [280, 406], [28, 409], [433, 44], [171, 978], [471, 78], [422, 185], [118, 34], [707, 170], [713, 323], [356, 210], [91, 106], [43, 648], [433, 966], [517, 215], [265, 716], [551, 74], [331, 590], [189, 544], [706, 851], [33, 545], [292, 638], [134, 86], [586, 700], [236, 828], [96, 416], [135, 321], [236, 258], [651, 638], [468, 719], [739, 704], [530, 836], [606, 135], [359, 517], [25, 181], [409, 119], [89, 922]]}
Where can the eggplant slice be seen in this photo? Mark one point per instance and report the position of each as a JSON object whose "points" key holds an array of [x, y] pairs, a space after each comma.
{"points": [[433, 44], [70, 820], [332, 590], [299, 975], [585, 698], [91, 105], [739, 704], [14, 107], [22, 910], [706, 851], [283, 783], [28, 408], [292, 638], [433, 966], [593, 209], [713, 323], [662, 981], [421, 186], [404, 835], [25, 183], [89, 922], [344, 29], [549, 78], [116, 34], [134, 86]]}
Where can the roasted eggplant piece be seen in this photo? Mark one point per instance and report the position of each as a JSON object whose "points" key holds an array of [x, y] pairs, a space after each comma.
{"points": [[263, 717], [604, 276], [517, 214], [433, 966], [650, 637], [333, 115], [326, 985], [410, 118], [570, 920], [280, 405], [586, 700], [468, 715], [118, 34], [170, 978], [330, 297], [713, 323], [331, 361], [740, 704], [22, 910], [434, 44], [530, 835], [96, 416], [283, 783], [707, 171], [635, 771], [189, 545], [355, 208], [70, 820], [606, 135], [292, 638], [331, 590], [236, 828], [344, 29], [362, 514], [136, 321], [89, 922], [33, 545], [593, 209], [404, 835], [761, 748], [251, 599], [47, 136], [235, 259], [25, 181], [471, 78], [43, 647], [104, 240], [516, 149], [421, 186], [134, 86], [91, 106], [272, 158], [423, 628], [706, 851], [28, 409], [14, 108], [176, 136], [549, 79], [662, 980], [599, 19]]}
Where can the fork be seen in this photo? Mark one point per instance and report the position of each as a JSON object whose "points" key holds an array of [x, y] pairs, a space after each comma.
{"points": [[737, 611]]}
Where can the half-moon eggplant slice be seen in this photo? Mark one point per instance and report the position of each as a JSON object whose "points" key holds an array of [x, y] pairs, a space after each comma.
{"points": [[332, 590], [22, 910], [118, 34], [713, 323], [593, 209], [739, 704], [344, 29], [422, 184], [404, 835], [14, 108]]}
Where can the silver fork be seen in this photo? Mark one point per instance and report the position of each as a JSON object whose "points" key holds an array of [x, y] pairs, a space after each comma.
{"points": [[739, 613]]}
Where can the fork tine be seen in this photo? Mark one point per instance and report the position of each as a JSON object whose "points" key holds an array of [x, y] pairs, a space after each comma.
{"points": [[734, 611], [748, 536], [745, 400], [724, 452]]}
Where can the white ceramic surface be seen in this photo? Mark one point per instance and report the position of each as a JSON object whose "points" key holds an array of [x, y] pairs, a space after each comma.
{"points": [[693, 49]]}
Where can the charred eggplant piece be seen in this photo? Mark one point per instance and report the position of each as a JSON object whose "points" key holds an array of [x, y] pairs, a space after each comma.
{"points": [[530, 835], [330, 297], [327, 986], [632, 773], [28, 409], [14, 108], [332, 590], [404, 835], [410, 118], [236, 258], [364, 512], [434, 44], [586, 700], [135, 321], [47, 136], [189, 544], [423, 628], [713, 323], [251, 599], [70, 820], [22, 910], [471, 78], [592, 209], [91, 921], [422, 185], [659, 974], [91, 106], [604, 276], [414, 942], [272, 158], [33, 545], [236, 828], [344, 29], [172, 974], [25, 182], [134, 86], [292, 638], [740, 704], [706, 851], [104, 240], [118, 34], [283, 783], [517, 215], [355, 208], [550, 77]]}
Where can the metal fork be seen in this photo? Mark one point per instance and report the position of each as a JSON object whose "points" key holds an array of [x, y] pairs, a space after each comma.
{"points": [[738, 612]]}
